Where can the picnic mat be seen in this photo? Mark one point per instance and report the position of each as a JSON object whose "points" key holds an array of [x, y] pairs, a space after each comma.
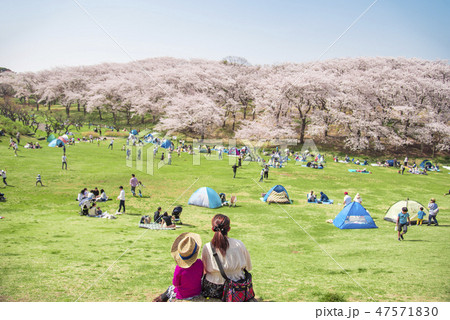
{"points": [[354, 170], [155, 226]]}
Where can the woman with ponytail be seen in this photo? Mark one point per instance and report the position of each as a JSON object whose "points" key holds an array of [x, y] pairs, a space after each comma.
{"points": [[232, 254]]}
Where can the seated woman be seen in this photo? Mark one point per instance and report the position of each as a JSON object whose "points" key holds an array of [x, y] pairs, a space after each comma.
{"points": [[81, 195], [166, 220], [312, 197], [232, 254], [102, 196], [320, 166], [323, 197]]}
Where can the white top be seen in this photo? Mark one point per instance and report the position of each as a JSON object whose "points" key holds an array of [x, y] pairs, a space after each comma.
{"points": [[358, 199], [64, 158], [236, 259], [347, 199], [121, 195]]}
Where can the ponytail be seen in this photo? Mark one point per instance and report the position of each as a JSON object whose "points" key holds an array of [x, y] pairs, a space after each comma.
{"points": [[220, 226]]}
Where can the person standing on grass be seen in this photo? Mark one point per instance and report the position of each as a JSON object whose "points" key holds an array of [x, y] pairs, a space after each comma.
{"points": [[234, 170], [133, 183], [261, 175], [420, 215], [433, 211], [111, 144], [402, 223], [18, 137], [121, 198], [266, 172], [169, 157], [4, 177], [38, 180], [64, 161]]}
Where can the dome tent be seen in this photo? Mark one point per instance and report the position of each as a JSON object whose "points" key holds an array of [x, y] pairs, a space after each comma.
{"points": [[166, 144], [396, 208], [354, 216], [205, 197], [277, 194]]}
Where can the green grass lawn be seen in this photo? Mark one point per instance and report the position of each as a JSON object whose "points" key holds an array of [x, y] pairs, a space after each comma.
{"points": [[50, 253]]}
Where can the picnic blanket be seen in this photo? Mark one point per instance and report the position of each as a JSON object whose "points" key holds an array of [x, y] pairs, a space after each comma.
{"points": [[322, 202], [359, 171], [155, 226]]}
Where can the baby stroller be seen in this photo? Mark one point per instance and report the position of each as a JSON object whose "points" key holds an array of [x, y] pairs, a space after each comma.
{"points": [[176, 215], [2, 197], [85, 204]]}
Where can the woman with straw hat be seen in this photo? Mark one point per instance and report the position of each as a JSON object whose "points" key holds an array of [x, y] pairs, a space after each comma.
{"points": [[188, 273]]}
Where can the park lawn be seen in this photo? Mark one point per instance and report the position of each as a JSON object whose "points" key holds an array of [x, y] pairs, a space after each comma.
{"points": [[50, 253]]}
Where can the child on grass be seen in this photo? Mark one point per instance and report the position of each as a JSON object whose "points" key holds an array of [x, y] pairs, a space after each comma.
{"points": [[420, 215], [187, 277], [39, 180]]}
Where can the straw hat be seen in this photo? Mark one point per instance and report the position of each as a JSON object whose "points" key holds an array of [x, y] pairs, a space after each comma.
{"points": [[433, 200], [185, 249]]}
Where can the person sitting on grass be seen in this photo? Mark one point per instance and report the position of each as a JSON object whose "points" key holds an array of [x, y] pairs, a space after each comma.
{"points": [[402, 223], [187, 277], [312, 197], [166, 221], [102, 197], [323, 197], [157, 216]]}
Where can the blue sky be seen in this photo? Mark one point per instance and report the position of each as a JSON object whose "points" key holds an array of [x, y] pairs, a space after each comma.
{"points": [[36, 35]]}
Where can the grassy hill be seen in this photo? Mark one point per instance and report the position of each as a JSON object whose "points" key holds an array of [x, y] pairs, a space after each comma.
{"points": [[50, 253]]}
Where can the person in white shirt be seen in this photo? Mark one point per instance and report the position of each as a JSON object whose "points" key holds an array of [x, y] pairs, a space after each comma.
{"points": [[347, 199], [358, 198], [121, 198], [64, 161], [232, 254], [4, 177]]}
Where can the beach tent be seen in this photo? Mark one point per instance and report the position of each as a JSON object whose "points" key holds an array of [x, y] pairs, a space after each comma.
{"points": [[134, 132], [396, 208], [277, 194], [427, 164], [166, 144], [205, 197], [354, 216], [390, 163]]}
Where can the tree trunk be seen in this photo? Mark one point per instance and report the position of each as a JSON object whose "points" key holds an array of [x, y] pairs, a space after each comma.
{"points": [[67, 110], [99, 113], [78, 107], [302, 130], [48, 105]]}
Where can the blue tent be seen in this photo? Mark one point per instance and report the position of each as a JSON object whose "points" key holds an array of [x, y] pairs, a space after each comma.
{"points": [[166, 144], [427, 164], [205, 197], [277, 194], [134, 132], [56, 143], [354, 216]]}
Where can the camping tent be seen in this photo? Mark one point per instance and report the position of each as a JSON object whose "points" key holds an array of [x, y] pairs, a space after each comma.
{"points": [[166, 144], [277, 194], [427, 164], [205, 197], [56, 143], [396, 208], [354, 216], [134, 132]]}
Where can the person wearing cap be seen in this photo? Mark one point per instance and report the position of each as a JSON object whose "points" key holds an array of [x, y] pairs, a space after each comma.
{"points": [[121, 198], [347, 199], [432, 212], [357, 198], [187, 277], [232, 254], [402, 223]]}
